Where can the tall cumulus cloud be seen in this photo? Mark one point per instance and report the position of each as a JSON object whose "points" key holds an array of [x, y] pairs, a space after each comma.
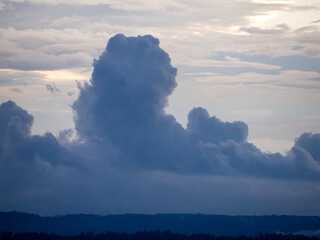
{"points": [[123, 130]]}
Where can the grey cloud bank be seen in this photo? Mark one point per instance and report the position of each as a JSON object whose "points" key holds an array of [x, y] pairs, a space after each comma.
{"points": [[131, 156]]}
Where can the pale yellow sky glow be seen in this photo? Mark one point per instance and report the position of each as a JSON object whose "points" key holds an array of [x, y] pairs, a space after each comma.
{"points": [[262, 20], [303, 14], [273, 1], [65, 75]]}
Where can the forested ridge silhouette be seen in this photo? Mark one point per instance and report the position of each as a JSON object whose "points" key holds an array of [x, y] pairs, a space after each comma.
{"points": [[155, 235], [218, 225]]}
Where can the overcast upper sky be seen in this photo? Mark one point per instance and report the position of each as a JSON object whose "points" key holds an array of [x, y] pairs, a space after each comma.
{"points": [[254, 64]]}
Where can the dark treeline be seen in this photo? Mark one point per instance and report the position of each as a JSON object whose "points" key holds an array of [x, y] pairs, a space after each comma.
{"points": [[218, 225], [155, 235]]}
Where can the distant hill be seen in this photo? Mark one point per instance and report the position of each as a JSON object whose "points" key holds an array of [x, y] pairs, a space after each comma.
{"points": [[156, 235], [219, 225]]}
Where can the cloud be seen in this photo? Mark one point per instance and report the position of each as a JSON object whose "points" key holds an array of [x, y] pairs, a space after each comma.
{"points": [[279, 29], [15, 122], [46, 49], [229, 62], [16, 90], [290, 62], [31, 166], [124, 103], [10, 77], [17, 143], [52, 88], [70, 94], [213, 130], [287, 79], [310, 142], [128, 147], [125, 100]]}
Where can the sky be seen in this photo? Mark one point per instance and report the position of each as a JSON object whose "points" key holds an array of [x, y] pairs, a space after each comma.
{"points": [[160, 106]]}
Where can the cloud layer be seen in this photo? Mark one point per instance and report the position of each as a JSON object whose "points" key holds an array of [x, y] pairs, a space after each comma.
{"points": [[125, 137]]}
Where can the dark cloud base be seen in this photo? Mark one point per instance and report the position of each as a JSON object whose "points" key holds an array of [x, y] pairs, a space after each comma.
{"points": [[128, 151]]}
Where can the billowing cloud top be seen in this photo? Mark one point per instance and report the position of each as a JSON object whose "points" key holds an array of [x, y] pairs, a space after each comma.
{"points": [[124, 105], [211, 129], [14, 122], [122, 125]]}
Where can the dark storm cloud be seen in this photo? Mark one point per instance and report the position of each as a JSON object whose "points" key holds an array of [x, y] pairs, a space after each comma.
{"points": [[14, 122], [213, 130], [123, 105], [310, 142], [231, 158], [120, 117], [32, 167], [18, 145], [128, 147]]}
